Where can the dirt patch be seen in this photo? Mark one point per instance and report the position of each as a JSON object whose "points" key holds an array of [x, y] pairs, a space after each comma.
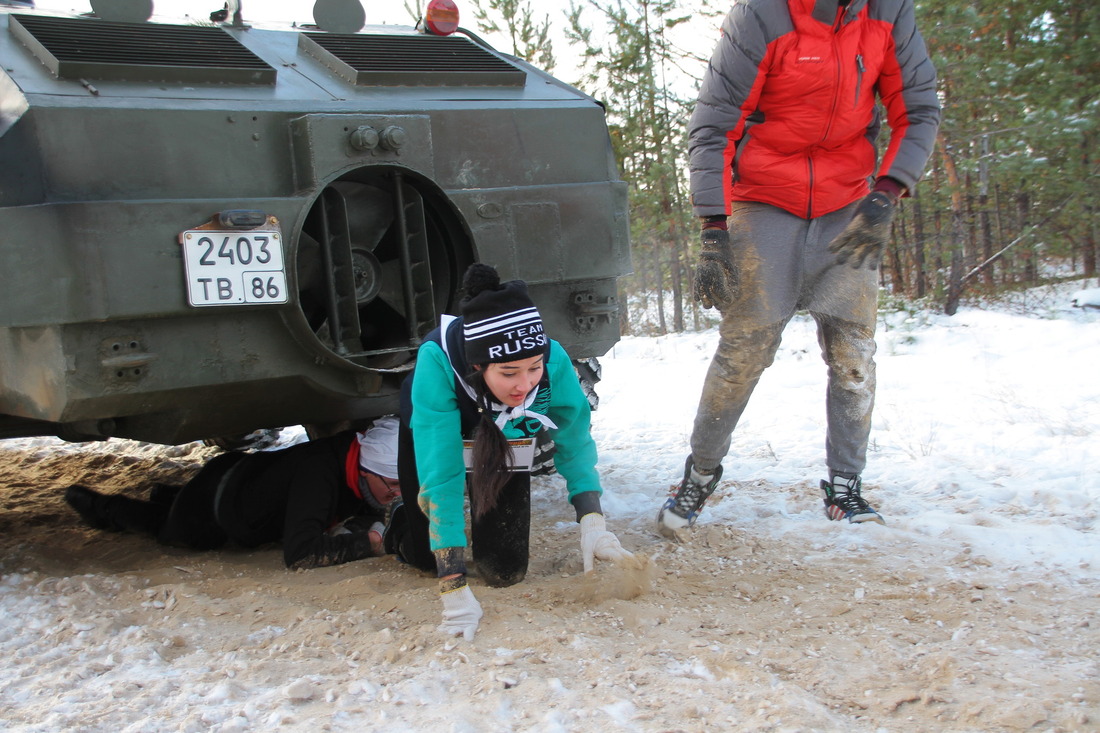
{"points": [[730, 630]]}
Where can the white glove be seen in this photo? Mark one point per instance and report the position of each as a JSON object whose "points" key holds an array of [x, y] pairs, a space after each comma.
{"points": [[597, 542], [461, 612]]}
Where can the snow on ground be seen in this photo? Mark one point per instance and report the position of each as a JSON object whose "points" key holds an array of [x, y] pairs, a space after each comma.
{"points": [[979, 418], [973, 609]]}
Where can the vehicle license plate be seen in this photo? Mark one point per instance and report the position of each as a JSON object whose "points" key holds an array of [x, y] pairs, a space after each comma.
{"points": [[233, 267]]}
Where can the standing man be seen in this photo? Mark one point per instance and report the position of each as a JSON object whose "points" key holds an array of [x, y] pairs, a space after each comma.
{"points": [[795, 215]]}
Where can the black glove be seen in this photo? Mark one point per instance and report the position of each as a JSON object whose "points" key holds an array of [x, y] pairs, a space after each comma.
{"points": [[717, 281], [356, 525], [864, 239]]}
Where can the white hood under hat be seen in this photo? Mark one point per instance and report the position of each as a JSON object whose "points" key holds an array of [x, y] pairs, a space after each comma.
{"points": [[378, 447]]}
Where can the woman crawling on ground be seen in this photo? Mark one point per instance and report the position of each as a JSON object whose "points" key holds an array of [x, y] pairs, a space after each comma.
{"points": [[484, 385]]}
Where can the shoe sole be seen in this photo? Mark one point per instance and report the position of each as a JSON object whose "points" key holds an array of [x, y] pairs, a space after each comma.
{"points": [[668, 532], [837, 514], [672, 533]]}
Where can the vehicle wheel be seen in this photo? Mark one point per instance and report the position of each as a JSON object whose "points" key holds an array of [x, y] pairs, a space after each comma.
{"points": [[589, 372], [545, 448]]}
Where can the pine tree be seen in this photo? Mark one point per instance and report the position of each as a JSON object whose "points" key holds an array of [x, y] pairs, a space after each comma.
{"points": [[1016, 162], [530, 38], [630, 68]]}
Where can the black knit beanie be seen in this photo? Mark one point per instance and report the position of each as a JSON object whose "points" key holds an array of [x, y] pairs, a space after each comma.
{"points": [[500, 321]]}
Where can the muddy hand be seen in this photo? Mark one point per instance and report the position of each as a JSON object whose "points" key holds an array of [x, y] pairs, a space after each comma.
{"points": [[717, 282], [864, 239]]}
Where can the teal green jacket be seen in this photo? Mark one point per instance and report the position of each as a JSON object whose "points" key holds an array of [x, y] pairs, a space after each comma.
{"points": [[436, 425]]}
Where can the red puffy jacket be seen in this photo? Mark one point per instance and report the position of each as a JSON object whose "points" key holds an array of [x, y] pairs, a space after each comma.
{"points": [[787, 110]]}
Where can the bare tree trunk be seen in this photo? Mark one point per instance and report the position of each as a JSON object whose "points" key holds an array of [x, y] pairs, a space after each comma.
{"points": [[987, 239], [1023, 210], [1089, 243], [1090, 238], [625, 327], [970, 238], [939, 262], [955, 277], [920, 275], [676, 274], [659, 288], [958, 232], [894, 264], [1005, 271], [983, 205]]}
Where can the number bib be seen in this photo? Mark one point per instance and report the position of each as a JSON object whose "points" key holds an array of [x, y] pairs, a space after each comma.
{"points": [[523, 454]]}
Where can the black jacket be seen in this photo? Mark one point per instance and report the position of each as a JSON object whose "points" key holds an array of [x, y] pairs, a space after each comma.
{"points": [[295, 496]]}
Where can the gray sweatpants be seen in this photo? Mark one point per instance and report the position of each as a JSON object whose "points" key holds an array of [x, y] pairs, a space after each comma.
{"points": [[786, 266]]}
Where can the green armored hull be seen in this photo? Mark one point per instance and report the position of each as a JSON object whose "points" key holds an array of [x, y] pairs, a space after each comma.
{"points": [[211, 229]]}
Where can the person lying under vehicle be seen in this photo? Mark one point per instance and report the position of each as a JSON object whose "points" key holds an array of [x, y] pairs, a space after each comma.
{"points": [[325, 500]]}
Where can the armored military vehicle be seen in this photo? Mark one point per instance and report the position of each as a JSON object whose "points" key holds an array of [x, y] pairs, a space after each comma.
{"points": [[211, 228]]}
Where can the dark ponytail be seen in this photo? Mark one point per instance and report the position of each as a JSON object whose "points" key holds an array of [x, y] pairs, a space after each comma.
{"points": [[491, 460], [485, 304]]}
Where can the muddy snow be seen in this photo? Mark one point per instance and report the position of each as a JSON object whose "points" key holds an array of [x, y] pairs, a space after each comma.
{"points": [[980, 618], [113, 632]]}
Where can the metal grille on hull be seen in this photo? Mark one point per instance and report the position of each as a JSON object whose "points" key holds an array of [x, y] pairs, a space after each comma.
{"points": [[410, 60], [88, 48]]}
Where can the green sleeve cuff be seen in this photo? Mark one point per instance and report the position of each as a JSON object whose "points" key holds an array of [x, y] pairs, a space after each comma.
{"points": [[586, 502], [452, 584], [449, 561]]}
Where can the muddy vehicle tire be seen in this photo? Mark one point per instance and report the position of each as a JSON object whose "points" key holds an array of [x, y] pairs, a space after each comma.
{"points": [[589, 372]]}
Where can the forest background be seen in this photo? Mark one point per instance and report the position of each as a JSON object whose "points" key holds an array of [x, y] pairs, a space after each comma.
{"points": [[1009, 199]]}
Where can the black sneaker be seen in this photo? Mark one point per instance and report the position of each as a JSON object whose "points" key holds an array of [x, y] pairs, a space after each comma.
{"points": [[394, 531], [91, 506], [164, 493], [683, 507], [844, 500]]}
